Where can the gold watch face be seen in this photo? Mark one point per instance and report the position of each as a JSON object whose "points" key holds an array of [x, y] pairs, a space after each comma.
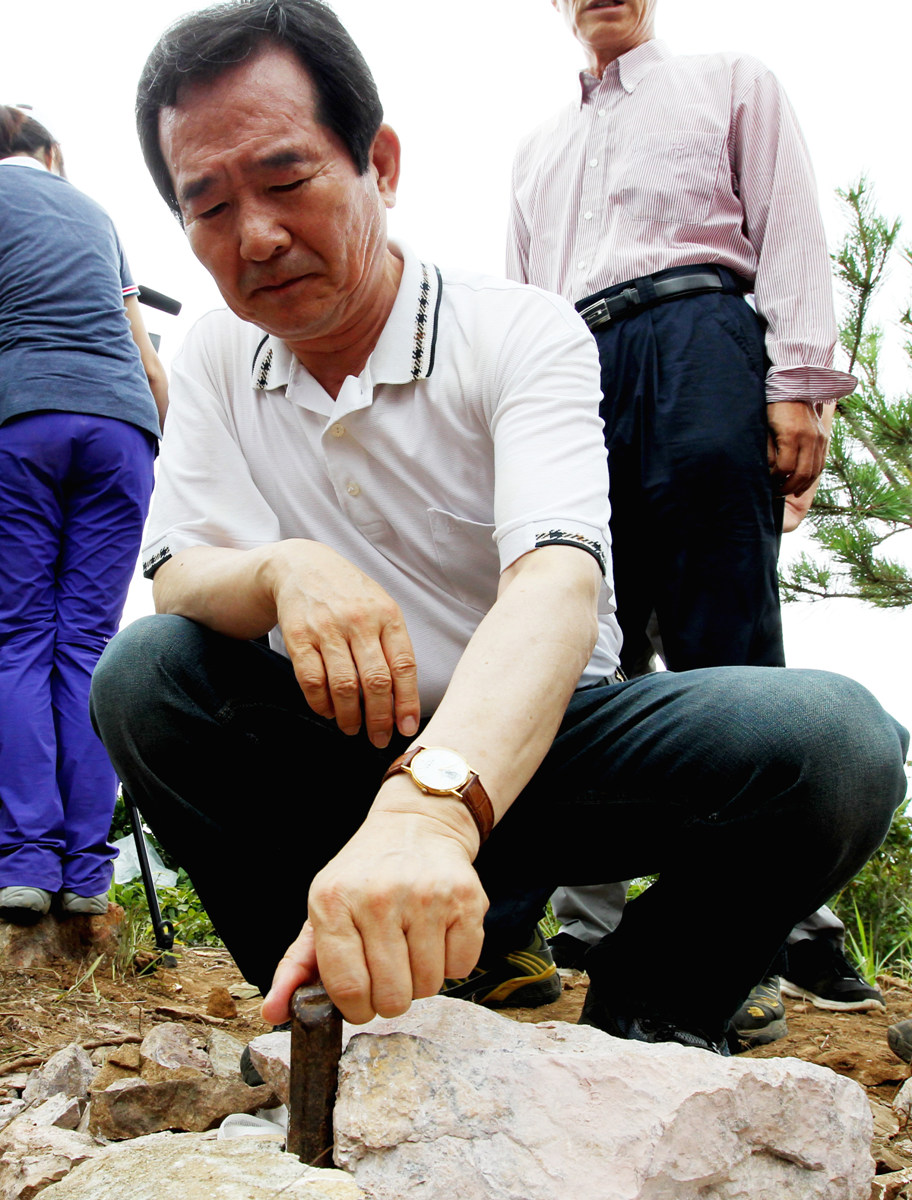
{"points": [[439, 770]]}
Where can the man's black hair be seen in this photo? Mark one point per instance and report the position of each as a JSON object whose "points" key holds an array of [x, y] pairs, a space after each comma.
{"points": [[204, 44]]}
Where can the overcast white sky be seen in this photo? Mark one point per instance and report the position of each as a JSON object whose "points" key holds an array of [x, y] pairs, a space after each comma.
{"points": [[461, 83]]}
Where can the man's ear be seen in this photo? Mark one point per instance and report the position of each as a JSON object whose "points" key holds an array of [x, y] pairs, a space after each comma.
{"points": [[385, 161]]}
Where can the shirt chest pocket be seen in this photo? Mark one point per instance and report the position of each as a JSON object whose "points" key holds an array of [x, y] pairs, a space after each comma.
{"points": [[468, 559], [672, 176]]}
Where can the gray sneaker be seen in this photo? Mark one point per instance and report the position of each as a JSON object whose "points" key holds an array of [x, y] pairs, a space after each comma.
{"points": [[24, 905], [819, 971], [95, 906]]}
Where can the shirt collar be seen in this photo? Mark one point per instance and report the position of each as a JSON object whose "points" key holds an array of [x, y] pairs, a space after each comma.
{"points": [[406, 348], [631, 68], [22, 160]]}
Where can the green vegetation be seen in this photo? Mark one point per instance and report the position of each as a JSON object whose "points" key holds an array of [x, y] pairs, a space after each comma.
{"points": [[179, 904], [876, 906]]}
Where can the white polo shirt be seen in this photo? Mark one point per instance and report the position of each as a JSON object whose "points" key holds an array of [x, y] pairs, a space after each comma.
{"points": [[471, 437]]}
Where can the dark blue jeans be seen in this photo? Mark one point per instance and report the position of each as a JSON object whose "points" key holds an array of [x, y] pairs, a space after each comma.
{"points": [[707, 777], [695, 525]]}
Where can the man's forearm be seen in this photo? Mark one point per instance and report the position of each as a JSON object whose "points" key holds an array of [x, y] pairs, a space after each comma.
{"points": [[513, 683], [221, 588]]}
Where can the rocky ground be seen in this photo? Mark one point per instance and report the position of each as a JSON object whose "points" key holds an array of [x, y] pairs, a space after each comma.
{"points": [[43, 1009]]}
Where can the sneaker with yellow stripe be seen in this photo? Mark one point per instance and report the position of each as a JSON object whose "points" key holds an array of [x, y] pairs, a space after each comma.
{"points": [[524, 978], [761, 1018]]}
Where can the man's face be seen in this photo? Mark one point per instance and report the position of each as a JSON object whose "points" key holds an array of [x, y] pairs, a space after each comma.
{"points": [[608, 28], [272, 204]]}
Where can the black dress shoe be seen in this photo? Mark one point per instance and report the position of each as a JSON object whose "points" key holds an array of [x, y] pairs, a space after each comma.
{"points": [[568, 951]]}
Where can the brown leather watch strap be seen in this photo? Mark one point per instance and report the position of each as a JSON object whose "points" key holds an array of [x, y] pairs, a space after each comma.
{"points": [[471, 793]]}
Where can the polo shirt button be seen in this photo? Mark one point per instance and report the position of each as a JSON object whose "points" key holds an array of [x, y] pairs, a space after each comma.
{"points": [[353, 489], [337, 430], [587, 216], [593, 162], [601, 112]]}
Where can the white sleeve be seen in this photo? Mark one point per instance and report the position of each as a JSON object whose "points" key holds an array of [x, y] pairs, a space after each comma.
{"points": [[550, 460], [204, 494]]}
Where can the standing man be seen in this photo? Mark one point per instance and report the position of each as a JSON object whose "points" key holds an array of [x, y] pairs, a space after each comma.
{"points": [[666, 191], [398, 474]]}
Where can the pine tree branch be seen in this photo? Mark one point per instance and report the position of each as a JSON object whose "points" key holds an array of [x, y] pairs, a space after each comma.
{"points": [[865, 498], [859, 433]]}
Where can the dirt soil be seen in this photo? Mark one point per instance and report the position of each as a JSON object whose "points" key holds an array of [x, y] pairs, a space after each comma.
{"points": [[41, 1011]]}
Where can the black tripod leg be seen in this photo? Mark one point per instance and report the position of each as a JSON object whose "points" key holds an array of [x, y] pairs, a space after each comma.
{"points": [[164, 930]]}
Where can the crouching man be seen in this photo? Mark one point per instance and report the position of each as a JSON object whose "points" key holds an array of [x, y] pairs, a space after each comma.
{"points": [[398, 475]]}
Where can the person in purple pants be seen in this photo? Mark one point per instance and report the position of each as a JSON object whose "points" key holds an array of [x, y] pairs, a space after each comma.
{"points": [[82, 395]]}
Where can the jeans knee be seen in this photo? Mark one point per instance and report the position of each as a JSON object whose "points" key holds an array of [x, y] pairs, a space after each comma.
{"points": [[854, 754], [859, 735]]}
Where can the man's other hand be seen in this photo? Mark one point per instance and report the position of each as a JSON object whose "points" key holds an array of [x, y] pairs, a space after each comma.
{"points": [[397, 911], [797, 508], [796, 445], [347, 641], [345, 636]]}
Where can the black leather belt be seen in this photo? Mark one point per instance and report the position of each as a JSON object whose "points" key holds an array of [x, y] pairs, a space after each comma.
{"points": [[626, 299], [617, 676]]}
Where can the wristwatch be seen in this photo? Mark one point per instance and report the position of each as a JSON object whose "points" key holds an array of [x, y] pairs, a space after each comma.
{"points": [[438, 771]]}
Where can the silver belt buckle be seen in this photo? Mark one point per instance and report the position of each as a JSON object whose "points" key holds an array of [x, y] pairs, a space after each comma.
{"points": [[596, 314]]}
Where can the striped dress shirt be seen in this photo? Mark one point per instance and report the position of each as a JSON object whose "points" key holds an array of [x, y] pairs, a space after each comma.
{"points": [[670, 161]]}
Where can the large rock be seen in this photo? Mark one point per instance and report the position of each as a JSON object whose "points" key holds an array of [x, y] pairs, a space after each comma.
{"points": [[453, 1099], [189, 1166], [51, 942], [131, 1108], [32, 1157]]}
